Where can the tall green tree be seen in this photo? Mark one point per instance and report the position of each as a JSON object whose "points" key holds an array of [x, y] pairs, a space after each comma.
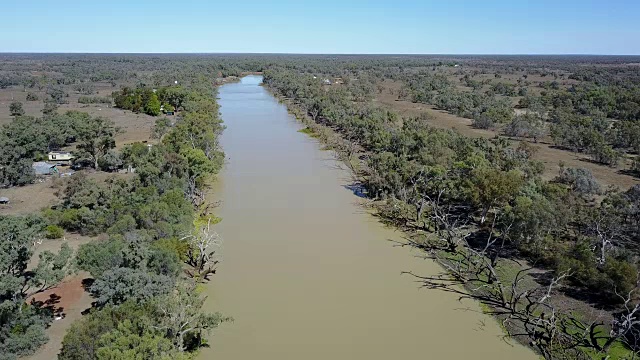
{"points": [[95, 138], [152, 107], [492, 187], [16, 109], [182, 318]]}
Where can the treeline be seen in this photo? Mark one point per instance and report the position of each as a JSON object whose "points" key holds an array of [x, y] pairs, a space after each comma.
{"points": [[160, 244], [441, 182], [142, 293]]}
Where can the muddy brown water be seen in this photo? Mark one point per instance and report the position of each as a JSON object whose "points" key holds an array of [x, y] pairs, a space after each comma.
{"points": [[306, 273]]}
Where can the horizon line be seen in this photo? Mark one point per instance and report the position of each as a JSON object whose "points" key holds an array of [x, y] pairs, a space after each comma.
{"points": [[300, 53]]}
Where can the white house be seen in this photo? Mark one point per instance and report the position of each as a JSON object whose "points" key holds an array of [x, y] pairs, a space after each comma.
{"points": [[60, 156]]}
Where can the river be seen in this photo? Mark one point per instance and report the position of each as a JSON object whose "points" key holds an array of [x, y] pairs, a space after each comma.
{"points": [[306, 273]]}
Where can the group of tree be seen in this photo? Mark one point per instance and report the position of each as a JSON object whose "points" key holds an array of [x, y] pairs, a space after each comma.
{"points": [[600, 118], [23, 320], [160, 240], [459, 188], [150, 101], [161, 244], [603, 121]]}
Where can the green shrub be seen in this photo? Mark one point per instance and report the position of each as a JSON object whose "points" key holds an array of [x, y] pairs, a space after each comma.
{"points": [[54, 232], [605, 154]]}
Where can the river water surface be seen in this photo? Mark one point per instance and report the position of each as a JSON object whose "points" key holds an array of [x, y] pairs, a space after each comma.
{"points": [[306, 273]]}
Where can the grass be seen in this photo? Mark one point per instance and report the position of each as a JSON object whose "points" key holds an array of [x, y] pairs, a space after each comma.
{"points": [[617, 351], [309, 131]]}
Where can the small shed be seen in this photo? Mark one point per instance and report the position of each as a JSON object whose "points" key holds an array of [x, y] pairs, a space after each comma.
{"points": [[4, 200], [60, 156], [44, 168]]}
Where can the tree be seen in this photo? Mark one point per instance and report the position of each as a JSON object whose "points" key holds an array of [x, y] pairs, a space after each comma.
{"points": [[492, 187], [50, 108], [16, 109], [580, 180], [162, 126], [22, 325], [174, 95], [97, 257], [181, 315], [472, 272], [95, 138], [127, 341], [118, 285], [18, 173], [83, 192], [204, 242], [152, 107], [166, 107], [111, 161], [604, 154], [483, 121], [83, 340], [528, 125], [18, 239], [22, 330], [199, 166], [57, 95], [635, 166]]}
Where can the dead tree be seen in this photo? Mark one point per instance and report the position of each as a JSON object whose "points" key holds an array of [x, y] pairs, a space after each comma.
{"points": [[525, 311], [202, 255], [608, 234], [449, 226]]}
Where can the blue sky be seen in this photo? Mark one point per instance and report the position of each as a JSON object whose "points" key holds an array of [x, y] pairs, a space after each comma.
{"points": [[328, 26]]}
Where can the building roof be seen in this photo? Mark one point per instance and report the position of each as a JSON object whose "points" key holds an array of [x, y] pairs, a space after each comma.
{"points": [[60, 152], [42, 168]]}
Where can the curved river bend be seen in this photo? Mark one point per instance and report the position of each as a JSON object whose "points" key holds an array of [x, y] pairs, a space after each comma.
{"points": [[306, 274]]}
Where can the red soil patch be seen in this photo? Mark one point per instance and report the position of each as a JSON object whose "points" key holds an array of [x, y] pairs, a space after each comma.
{"points": [[68, 301], [62, 298]]}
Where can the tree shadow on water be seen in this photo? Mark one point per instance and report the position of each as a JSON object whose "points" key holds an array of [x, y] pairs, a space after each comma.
{"points": [[357, 189]]}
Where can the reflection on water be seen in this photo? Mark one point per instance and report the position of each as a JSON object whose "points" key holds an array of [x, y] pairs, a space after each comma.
{"points": [[306, 274]]}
